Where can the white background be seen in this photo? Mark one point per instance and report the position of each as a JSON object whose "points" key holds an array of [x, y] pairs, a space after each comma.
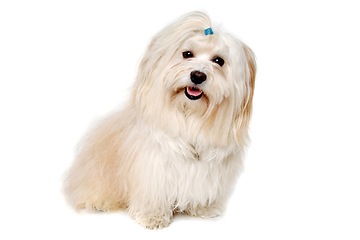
{"points": [[64, 64]]}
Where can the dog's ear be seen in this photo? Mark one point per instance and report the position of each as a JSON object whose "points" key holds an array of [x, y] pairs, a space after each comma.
{"points": [[243, 114]]}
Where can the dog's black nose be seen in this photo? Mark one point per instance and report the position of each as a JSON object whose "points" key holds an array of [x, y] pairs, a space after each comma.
{"points": [[197, 77]]}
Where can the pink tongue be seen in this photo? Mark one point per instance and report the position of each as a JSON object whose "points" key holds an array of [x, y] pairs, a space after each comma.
{"points": [[194, 92]]}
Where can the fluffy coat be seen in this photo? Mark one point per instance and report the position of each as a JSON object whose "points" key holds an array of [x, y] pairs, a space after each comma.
{"points": [[165, 153]]}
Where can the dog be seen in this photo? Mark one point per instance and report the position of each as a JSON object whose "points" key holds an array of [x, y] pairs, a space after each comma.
{"points": [[178, 144]]}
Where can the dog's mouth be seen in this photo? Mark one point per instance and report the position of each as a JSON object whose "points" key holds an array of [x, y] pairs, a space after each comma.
{"points": [[193, 93]]}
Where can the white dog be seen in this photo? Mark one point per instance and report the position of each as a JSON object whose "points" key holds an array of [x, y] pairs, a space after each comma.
{"points": [[178, 144]]}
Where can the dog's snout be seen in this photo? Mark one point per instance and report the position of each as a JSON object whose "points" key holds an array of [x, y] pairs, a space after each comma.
{"points": [[197, 77]]}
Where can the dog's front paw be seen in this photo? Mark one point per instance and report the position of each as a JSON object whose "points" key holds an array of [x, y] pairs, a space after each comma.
{"points": [[153, 221], [204, 211]]}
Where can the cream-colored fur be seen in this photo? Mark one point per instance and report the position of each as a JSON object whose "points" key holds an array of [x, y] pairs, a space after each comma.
{"points": [[164, 153]]}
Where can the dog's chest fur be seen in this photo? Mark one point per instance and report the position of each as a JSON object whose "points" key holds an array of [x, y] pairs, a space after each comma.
{"points": [[193, 172]]}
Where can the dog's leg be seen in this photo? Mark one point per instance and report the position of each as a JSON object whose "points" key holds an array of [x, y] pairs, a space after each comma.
{"points": [[150, 203], [151, 214]]}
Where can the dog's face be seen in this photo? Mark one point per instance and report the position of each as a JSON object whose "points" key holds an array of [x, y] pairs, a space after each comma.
{"points": [[197, 84], [199, 70]]}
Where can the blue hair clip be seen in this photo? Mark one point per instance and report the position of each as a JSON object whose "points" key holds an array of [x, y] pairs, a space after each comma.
{"points": [[209, 31]]}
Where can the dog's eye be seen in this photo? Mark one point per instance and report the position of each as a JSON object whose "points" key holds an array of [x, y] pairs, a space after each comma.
{"points": [[219, 60], [187, 54]]}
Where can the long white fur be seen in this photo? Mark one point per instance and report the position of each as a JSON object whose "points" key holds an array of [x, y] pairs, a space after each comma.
{"points": [[164, 153]]}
